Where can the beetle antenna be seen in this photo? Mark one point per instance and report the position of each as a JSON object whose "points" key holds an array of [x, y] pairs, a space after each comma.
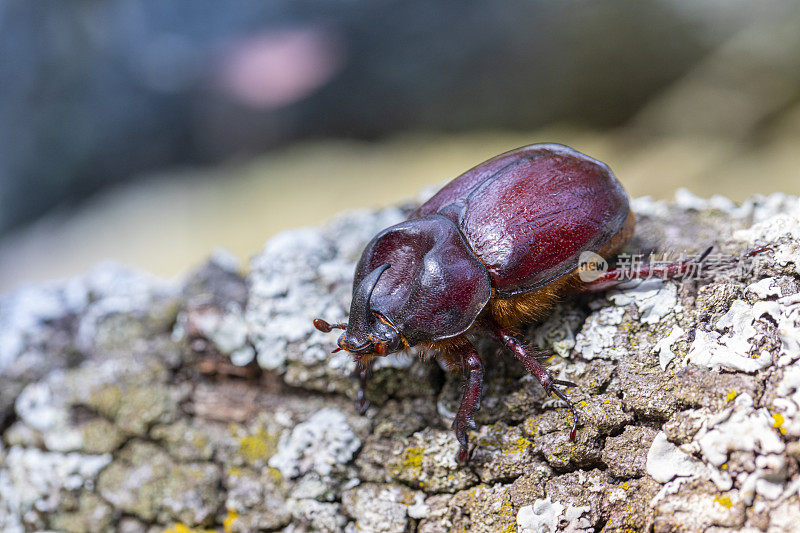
{"points": [[326, 327]]}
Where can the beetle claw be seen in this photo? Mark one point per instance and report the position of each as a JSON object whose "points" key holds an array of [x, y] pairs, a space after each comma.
{"points": [[462, 456], [361, 404], [573, 432]]}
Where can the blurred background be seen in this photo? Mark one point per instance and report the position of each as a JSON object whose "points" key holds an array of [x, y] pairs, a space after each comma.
{"points": [[151, 132]]}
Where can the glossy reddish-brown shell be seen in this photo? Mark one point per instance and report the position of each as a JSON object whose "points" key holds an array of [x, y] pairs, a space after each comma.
{"points": [[529, 213], [510, 225]]}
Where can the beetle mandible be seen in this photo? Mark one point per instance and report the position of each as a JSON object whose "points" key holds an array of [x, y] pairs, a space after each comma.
{"points": [[491, 251]]}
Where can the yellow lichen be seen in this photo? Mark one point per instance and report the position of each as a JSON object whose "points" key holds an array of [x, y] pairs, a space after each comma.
{"points": [[200, 441], [724, 501], [626, 485], [181, 528], [227, 523], [778, 423], [518, 446], [412, 458], [235, 472], [731, 395], [275, 474], [258, 446], [507, 513]]}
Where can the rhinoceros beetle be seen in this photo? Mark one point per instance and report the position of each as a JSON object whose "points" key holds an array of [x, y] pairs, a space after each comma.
{"points": [[489, 252]]}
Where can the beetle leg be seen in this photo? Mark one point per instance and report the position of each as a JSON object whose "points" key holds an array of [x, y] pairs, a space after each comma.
{"points": [[535, 368], [362, 373], [470, 401]]}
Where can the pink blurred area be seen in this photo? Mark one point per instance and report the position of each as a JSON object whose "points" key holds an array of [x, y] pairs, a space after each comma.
{"points": [[278, 68]]}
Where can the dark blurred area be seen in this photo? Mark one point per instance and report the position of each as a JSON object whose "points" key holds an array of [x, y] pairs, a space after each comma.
{"points": [[151, 132], [94, 93]]}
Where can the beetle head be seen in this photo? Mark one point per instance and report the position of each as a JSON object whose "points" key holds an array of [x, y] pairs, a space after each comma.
{"points": [[368, 333], [434, 290]]}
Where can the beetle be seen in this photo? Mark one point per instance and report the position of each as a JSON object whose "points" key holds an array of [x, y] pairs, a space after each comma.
{"points": [[491, 251]]}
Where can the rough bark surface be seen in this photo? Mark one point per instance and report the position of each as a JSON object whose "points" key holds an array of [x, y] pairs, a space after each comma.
{"points": [[134, 404]]}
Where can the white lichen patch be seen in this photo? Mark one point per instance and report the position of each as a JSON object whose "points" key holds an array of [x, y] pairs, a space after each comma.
{"points": [[316, 516], [758, 207], [663, 348], [649, 207], [597, 337], [32, 480], [739, 428], [767, 480], [545, 516], [385, 508], [228, 331], [42, 407], [742, 429], [106, 288], [789, 329], [686, 199], [665, 461], [653, 298], [782, 233], [541, 517], [319, 445], [786, 405], [731, 345], [764, 288]]}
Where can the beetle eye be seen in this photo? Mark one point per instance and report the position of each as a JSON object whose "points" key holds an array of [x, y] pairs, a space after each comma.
{"points": [[380, 348]]}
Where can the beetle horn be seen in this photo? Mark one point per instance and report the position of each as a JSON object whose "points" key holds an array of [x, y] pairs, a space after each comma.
{"points": [[361, 316]]}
